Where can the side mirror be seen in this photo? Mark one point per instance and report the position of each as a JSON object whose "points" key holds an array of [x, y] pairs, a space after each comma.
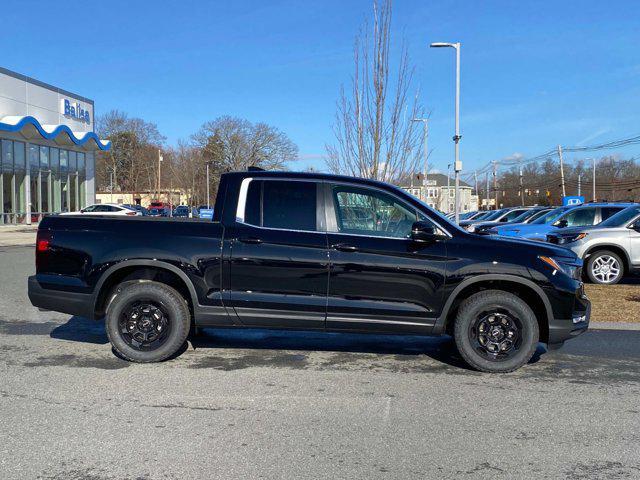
{"points": [[424, 232], [561, 223], [635, 226], [83, 210]]}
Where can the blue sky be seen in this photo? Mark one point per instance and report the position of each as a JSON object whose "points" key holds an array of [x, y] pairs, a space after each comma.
{"points": [[534, 74]]}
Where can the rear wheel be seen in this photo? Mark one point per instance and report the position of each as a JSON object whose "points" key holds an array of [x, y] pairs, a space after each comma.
{"points": [[496, 331], [147, 321], [605, 267]]}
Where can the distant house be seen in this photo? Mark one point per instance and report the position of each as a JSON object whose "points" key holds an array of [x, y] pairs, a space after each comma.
{"points": [[439, 192]]}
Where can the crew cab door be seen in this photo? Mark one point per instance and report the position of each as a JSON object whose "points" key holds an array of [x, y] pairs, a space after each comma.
{"points": [[278, 267], [379, 278]]}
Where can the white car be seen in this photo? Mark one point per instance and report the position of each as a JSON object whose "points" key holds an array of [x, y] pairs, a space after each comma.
{"points": [[105, 209]]}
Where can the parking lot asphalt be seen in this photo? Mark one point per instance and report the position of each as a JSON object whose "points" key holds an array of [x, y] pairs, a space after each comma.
{"points": [[272, 404]]}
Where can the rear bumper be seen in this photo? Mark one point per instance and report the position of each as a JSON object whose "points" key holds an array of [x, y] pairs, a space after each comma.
{"points": [[564, 329], [73, 303]]}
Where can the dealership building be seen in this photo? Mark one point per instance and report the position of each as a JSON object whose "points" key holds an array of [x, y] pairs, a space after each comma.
{"points": [[48, 149]]}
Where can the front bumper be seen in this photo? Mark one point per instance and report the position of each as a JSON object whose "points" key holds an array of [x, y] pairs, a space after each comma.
{"points": [[73, 303], [564, 329]]}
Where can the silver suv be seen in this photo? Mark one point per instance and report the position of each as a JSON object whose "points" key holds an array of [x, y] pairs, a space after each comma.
{"points": [[609, 249]]}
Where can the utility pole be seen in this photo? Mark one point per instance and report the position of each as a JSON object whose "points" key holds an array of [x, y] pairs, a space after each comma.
{"points": [[521, 189], [475, 177], [111, 185], [579, 177], [159, 167], [457, 136], [486, 192], [208, 201], [594, 179], [564, 191], [448, 185], [495, 182]]}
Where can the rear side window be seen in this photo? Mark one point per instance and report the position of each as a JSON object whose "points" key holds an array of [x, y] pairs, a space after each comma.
{"points": [[288, 205], [607, 212]]}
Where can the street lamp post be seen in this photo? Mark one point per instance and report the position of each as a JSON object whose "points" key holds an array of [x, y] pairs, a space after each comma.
{"points": [[425, 123], [208, 201], [160, 159], [456, 137]]}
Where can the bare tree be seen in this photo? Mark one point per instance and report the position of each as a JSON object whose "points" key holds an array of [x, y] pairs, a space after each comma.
{"points": [[132, 159], [232, 144], [374, 133]]}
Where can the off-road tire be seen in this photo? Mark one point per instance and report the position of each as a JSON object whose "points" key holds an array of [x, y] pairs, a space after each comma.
{"points": [[495, 300], [174, 306]]}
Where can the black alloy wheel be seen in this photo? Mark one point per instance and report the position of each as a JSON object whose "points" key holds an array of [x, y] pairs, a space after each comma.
{"points": [[496, 335], [144, 325]]}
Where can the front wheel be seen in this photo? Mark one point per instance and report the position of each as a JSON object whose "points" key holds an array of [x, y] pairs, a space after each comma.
{"points": [[605, 267], [147, 321], [496, 331]]}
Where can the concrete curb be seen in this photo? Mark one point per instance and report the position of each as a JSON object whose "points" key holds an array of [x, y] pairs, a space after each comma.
{"points": [[613, 326]]}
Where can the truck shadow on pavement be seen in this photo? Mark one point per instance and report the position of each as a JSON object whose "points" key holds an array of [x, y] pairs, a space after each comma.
{"points": [[231, 349]]}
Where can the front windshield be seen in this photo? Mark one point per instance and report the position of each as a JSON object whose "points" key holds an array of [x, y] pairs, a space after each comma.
{"points": [[538, 214], [622, 218], [524, 215], [482, 216], [492, 215], [550, 216]]}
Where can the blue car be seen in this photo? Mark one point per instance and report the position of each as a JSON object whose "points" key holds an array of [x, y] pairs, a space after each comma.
{"points": [[561, 217]]}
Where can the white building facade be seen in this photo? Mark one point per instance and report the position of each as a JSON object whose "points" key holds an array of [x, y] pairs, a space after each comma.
{"points": [[48, 148], [439, 192]]}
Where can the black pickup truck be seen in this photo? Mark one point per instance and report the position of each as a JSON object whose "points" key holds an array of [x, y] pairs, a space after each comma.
{"points": [[314, 252]]}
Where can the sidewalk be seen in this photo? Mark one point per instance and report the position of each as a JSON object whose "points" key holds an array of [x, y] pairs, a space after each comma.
{"points": [[14, 235]]}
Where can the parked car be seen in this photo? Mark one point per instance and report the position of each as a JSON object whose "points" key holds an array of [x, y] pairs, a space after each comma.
{"points": [[181, 211], [105, 209], [562, 217], [498, 216], [158, 212], [482, 227], [609, 249], [137, 208], [310, 251]]}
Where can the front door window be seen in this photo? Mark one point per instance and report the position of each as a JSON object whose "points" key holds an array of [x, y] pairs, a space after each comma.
{"points": [[362, 211]]}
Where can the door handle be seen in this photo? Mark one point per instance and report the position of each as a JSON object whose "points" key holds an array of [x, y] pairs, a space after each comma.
{"points": [[344, 247], [252, 240]]}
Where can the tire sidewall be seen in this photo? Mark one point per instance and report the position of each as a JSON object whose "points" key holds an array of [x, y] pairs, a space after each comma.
{"points": [[483, 301], [594, 257], [174, 306]]}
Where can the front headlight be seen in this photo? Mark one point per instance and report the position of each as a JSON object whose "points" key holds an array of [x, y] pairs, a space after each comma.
{"points": [[569, 239], [573, 270]]}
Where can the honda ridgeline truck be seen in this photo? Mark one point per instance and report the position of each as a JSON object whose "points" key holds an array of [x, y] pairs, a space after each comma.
{"points": [[311, 252]]}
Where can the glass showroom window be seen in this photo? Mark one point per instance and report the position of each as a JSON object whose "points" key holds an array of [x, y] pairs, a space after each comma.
{"points": [[54, 161], [64, 181], [19, 182], [45, 181], [73, 181], [82, 178], [6, 183], [34, 168]]}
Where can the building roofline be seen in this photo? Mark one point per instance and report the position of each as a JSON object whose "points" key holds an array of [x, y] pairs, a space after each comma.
{"points": [[39, 83]]}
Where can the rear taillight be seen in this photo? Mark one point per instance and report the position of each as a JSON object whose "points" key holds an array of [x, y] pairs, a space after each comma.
{"points": [[131, 213], [43, 246]]}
